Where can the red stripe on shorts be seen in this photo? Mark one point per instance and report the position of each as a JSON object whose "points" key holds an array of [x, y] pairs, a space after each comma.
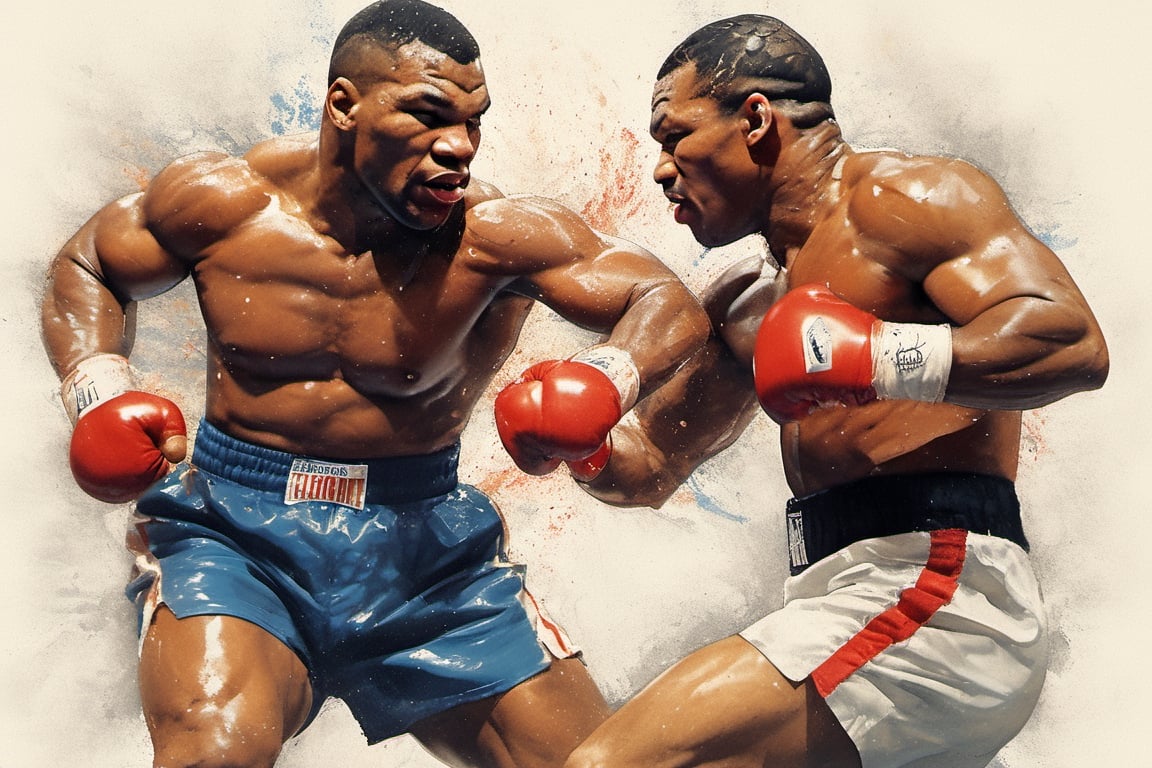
{"points": [[547, 624], [934, 588]]}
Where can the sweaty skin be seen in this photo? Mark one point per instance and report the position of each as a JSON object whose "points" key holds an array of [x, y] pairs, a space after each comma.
{"points": [[358, 338], [909, 239], [359, 290]]}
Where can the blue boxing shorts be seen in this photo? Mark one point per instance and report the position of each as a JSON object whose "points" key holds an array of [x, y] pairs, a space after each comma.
{"points": [[386, 577]]}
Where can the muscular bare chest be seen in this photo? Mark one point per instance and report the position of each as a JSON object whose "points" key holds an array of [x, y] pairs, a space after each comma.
{"points": [[284, 304]]}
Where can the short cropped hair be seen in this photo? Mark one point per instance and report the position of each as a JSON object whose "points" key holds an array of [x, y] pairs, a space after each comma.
{"points": [[751, 53], [390, 24]]}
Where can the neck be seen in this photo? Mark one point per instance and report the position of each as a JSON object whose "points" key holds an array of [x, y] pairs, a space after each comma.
{"points": [[805, 190], [340, 206]]}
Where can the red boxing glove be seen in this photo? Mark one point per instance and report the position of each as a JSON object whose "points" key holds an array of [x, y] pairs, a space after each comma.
{"points": [[815, 350], [123, 441], [564, 411], [589, 468]]}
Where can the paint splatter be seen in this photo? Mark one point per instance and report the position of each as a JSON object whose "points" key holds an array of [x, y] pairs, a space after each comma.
{"points": [[619, 180], [711, 505], [297, 111], [1032, 443]]}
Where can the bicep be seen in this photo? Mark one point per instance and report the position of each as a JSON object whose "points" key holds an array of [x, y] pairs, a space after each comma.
{"points": [[1008, 265], [117, 249], [595, 286], [585, 276], [1023, 334]]}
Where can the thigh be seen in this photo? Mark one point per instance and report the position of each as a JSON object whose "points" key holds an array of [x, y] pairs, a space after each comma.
{"points": [[216, 686], [537, 724], [724, 705]]}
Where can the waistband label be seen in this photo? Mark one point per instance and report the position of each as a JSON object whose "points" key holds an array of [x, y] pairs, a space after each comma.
{"points": [[797, 551], [311, 480]]}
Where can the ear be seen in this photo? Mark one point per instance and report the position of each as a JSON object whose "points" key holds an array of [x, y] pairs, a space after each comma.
{"points": [[757, 114], [341, 103]]}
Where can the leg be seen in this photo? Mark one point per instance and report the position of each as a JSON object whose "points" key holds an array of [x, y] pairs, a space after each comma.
{"points": [[724, 705], [534, 725], [219, 691]]}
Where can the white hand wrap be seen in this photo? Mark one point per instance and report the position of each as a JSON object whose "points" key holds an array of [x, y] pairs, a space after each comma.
{"points": [[911, 361], [93, 381], [617, 365]]}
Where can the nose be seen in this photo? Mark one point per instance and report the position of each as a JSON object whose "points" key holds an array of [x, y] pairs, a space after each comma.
{"points": [[455, 142], [665, 171]]}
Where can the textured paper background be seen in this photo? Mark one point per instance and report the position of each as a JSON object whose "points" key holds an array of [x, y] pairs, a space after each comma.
{"points": [[1048, 97]]}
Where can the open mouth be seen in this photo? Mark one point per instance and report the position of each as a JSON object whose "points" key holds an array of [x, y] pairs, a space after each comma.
{"points": [[447, 188], [680, 208]]}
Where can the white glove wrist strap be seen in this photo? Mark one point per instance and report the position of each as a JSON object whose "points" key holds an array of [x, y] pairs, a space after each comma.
{"points": [[93, 381], [911, 361], [618, 366]]}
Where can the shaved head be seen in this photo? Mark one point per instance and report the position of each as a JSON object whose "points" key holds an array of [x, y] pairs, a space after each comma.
{"points": [[751, 53], [390, 24]]}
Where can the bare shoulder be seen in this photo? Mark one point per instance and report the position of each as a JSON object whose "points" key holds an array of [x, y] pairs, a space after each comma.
{"points": [[284, 160], [883, 178], [922, 204], [737, 300], [199, 198], [526, 233]]}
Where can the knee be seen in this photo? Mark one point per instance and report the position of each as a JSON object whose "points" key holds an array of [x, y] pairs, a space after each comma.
{"points": [[215, 743], [595, 752]]}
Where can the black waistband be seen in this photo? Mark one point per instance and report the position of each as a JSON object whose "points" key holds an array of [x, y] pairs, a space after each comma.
{"points": [[886, 505], [392, 480]]}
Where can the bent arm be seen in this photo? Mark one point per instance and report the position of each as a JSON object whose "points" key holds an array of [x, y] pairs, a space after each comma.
{"points": [[1026, 336], [700, 411], [111, 262], [606, 285], [1023, 335]]}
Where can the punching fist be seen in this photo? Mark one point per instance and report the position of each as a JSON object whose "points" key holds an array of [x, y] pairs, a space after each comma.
{"points": [[123, 440], [564, 410], [815, 350]]}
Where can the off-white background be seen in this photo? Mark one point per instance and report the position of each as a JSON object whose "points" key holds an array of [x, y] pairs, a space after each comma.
{"points": [[1048, 97]]}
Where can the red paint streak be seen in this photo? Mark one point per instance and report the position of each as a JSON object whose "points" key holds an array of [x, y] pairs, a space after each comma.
{"points": [[619, 179]]}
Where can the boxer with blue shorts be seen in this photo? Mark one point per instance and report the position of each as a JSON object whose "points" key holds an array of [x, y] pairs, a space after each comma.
{"points": [[403, 608], [360, 290]]}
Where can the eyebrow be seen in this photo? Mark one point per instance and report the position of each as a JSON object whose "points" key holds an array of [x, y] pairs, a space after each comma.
{"points": [[435, 97]]}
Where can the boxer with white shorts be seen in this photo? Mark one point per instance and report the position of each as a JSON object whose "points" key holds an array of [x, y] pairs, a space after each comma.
{"points": [[903, 318]]}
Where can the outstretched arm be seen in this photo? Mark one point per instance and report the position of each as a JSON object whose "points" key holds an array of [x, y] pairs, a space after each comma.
{"points": [[702, 409], [562, 410]]}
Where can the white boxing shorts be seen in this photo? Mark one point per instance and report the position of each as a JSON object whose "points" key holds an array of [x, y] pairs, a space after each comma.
{"points": [[930, 647]]}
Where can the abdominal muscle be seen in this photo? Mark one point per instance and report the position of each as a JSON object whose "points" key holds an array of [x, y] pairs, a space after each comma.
{"points": [[332, 419], [837, 445]]}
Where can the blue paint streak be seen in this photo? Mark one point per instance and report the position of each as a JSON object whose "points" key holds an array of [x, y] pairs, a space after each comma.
{"points": [[710, 505], [296, 112]]}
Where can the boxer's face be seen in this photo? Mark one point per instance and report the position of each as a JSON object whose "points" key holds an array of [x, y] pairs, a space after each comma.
{"points": [[704, 165], [417, 129]]}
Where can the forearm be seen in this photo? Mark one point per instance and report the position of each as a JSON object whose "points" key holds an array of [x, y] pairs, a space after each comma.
{"points": [[663, 325], [1025, 353], [80, 315], [698, 413]]}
